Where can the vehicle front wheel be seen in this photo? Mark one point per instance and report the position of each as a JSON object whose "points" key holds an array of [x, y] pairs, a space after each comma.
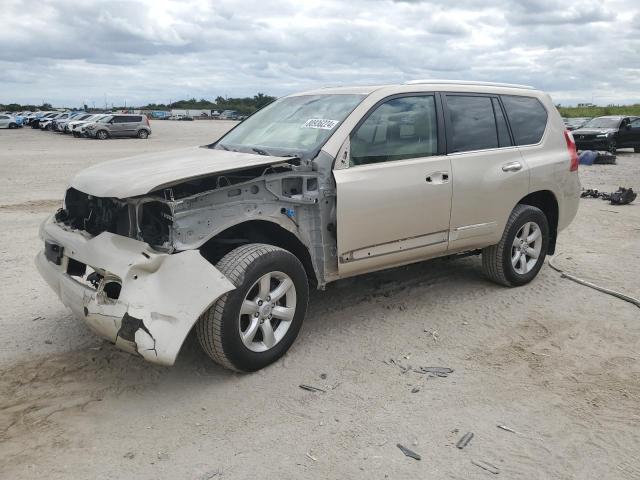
{"points": [[255, 324], [612, 146], [13, 125], [519, 255], [143, 134], [102, 135], [636, 149]]}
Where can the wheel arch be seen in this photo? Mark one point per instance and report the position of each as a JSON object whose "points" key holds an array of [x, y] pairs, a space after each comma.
{"points": [[259, 231], [546, 201]]}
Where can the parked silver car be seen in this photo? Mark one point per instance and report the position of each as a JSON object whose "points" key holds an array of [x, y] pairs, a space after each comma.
{"points": [[316, 187], [119, 125]]}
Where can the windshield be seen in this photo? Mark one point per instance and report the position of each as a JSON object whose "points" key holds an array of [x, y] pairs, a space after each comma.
{"points": [[291, 126], [602, 122], [104, 119]]}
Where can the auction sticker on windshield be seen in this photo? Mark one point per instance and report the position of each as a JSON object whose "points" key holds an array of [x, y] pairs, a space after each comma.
{"points": [[320, 123]]}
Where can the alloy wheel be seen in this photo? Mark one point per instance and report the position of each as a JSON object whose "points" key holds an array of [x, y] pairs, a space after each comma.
{"points": [[526, 248], [267, 311]]}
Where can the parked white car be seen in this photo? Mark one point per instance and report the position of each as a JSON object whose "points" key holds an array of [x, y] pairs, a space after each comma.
{"points": [[63, 126], [45, 123], [8, 121], [315, 187]]}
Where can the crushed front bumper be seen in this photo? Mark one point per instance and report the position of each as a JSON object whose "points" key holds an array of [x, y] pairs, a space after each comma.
{"points": [[161, 295]]}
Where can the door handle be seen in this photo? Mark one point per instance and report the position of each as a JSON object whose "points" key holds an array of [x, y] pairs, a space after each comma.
{"points": [[512, 167], [438, 178]]}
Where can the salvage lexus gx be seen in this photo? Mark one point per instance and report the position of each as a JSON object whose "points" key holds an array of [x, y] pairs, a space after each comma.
{"points": [[318, 186]]}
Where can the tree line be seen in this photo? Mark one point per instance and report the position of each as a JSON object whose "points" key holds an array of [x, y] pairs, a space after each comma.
{"points": [[595, 111], [243, 105]]}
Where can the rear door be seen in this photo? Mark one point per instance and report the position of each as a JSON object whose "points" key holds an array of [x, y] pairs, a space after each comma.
{"points": [[394, 198], [488, 171], [131, 125], [4, 121]]}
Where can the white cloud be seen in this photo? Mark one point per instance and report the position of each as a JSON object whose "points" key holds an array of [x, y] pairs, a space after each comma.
{"points": [[156, 50]]}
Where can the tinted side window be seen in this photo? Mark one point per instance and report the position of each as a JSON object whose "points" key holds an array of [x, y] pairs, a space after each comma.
{"points": [[527, 117], [135, 118], [118, 119], [473, 124], [400, 128]]}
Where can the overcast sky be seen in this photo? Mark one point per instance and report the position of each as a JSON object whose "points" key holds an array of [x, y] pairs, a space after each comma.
{"points": [[71, 52]]}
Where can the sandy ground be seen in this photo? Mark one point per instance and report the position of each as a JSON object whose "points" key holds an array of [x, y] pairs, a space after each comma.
{"points": [[554, 361]]}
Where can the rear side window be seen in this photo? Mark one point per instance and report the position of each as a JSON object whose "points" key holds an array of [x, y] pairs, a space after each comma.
{"points": [[472, 123], [134, 118], [527, 117]]}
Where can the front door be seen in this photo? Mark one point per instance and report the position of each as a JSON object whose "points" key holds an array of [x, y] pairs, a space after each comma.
{"points": [[394, 198], [629, 133]]}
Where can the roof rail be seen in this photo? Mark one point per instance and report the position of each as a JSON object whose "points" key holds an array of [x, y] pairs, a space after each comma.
{"points": [[469, 82]]}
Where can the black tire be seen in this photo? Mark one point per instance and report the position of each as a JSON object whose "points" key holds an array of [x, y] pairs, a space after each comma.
{"points": [[102, 134], [636, 149], [13, 125], [76, 134], [496, 259], [48, 127], [218, 329], [142, 133], [612, 146]]}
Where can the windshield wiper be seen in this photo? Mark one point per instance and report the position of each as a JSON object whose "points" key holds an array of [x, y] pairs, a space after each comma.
{"points": [[259, 151]]}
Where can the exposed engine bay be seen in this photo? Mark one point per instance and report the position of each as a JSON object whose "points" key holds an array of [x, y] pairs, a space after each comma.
{"points": [[205, 210]]}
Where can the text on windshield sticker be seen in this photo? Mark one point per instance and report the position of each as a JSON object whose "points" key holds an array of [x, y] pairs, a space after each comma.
{"points": [[320, 123]]}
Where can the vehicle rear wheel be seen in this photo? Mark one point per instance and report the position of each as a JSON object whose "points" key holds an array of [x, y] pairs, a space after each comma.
{"points": [[255, 324], [519, 255], [143, 134], [636, 149], [102, 135]]}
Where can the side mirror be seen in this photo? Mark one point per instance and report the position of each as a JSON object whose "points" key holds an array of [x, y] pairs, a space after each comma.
{"points": [[627, 126]]}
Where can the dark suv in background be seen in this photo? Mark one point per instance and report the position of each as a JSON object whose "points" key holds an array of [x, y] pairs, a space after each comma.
{"points": [[609, 133], [119, 125]]}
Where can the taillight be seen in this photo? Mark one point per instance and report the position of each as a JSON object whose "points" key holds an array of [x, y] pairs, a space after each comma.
{"points": [[573, 154], [146, 120]]}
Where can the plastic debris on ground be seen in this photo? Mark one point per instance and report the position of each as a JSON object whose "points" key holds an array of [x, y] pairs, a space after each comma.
{"points": [[409, 453]]}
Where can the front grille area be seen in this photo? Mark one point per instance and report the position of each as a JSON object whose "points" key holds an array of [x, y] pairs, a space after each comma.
{"points": [[149, 221], [93, 214], [585, 137]]}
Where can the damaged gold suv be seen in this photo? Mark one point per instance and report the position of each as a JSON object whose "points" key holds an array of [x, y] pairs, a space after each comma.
{"points": [[318, 186]]}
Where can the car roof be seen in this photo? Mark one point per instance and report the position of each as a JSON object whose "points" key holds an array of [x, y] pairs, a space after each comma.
{"points": [[426, 85]]}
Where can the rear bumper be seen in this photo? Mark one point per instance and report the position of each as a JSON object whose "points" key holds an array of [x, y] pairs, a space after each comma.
{"points": [[161, 296]]}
